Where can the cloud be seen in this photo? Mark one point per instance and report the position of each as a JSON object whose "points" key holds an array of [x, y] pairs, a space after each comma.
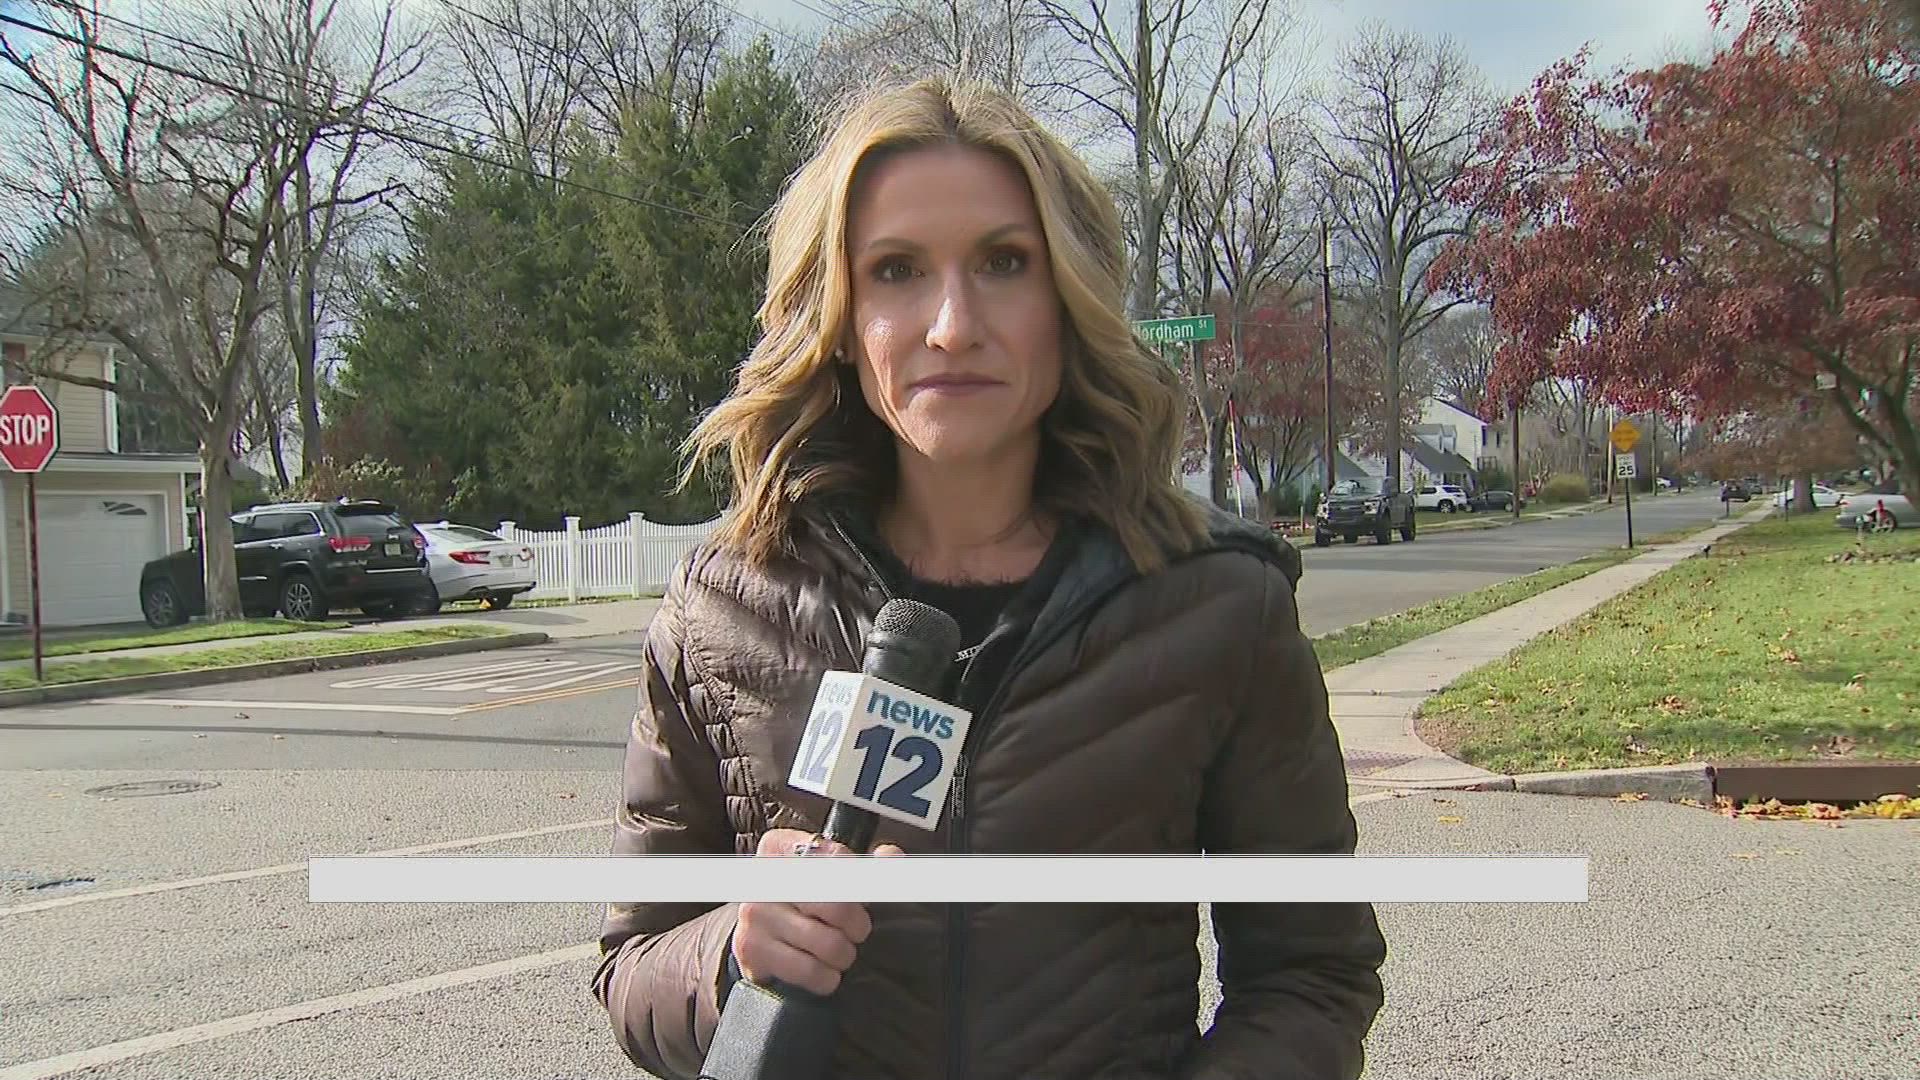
{"points": [[1511, 41]]}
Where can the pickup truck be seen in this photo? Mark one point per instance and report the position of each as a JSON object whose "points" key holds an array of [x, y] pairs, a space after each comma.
{"points": [[1356, 508]]}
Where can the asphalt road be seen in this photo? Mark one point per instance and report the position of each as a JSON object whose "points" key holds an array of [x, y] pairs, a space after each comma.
{"points": [[181, 920], [1710, 948], [1350, 583]]}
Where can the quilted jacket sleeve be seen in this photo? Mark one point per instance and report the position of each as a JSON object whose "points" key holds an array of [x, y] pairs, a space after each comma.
{"points": [[1300, 982], [661, 965]]}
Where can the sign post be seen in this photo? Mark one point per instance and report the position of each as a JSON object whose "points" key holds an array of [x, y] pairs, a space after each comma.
{"points": [[1625, 437], [1190, 330], [1626, 468], [29, 438]]}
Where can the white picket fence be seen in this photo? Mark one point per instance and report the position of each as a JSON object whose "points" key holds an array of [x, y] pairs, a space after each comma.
{"points": [[627, 558]]}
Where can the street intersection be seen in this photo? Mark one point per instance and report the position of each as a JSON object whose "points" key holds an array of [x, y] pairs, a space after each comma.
{"points": [[163, 930]]}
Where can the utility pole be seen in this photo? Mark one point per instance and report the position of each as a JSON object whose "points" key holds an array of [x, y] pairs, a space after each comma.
{"points": [[1611, 418], [1653, 451], [1326, 322], [1517, 483]]}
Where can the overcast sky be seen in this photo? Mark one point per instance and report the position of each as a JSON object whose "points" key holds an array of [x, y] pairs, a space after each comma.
{"points": [[1510, 40]]}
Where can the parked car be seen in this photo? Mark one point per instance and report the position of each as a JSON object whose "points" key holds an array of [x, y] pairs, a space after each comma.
{"points": [[1495, 500], [1734, 491], [473, 564], [1445, 498], [1880, 509], [1823, 497], [302, 560], [1356, 508]]}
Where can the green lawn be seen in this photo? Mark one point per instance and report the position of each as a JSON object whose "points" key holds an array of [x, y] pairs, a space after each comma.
{"points": [[15, 678], [1777, 647], [71, 643], [1378, 635]]}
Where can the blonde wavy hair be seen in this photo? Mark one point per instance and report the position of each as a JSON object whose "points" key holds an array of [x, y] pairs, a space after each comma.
{"points": [[796, 424]]}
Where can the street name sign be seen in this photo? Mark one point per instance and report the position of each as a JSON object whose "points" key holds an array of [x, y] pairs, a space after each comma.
{"points": [[1176, 331]]}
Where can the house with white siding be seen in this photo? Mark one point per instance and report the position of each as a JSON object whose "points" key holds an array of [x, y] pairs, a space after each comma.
{"points": [[102, 513]]}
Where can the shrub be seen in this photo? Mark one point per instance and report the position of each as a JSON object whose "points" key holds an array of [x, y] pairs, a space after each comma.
{"points": [[1563, 488]]}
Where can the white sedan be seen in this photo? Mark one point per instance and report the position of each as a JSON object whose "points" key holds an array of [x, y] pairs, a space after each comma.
{"points": [[1824, 497], [473, 564], [1876, 511]]}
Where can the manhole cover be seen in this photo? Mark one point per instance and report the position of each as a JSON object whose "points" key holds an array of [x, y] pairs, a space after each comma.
{"points": [[140, 789], [1367, 762]]}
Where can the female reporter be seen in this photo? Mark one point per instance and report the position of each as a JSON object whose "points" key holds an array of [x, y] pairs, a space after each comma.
{"points": [[948, 403]]}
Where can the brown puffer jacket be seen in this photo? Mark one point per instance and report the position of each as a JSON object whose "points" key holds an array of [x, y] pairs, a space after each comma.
{"points": [[1166, 714]]}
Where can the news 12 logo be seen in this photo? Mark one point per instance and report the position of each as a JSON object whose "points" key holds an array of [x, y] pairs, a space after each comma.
{"points": [[881, 746]]}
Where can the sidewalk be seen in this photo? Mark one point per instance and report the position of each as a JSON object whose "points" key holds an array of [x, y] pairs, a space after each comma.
{"points": [[1373, 701], [562, 622]]}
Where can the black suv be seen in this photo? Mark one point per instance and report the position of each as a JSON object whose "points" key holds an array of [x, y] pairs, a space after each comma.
{"points": [[302, 560], [1356, 508]]}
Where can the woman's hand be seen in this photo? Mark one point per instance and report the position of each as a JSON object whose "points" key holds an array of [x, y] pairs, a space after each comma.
{"points": [[803, 945]]}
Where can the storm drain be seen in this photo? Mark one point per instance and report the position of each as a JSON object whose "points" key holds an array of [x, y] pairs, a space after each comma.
{"points": [[142, 789]]}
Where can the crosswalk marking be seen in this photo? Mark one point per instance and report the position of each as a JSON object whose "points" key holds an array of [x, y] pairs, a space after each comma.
{"points": [[522, 677]]}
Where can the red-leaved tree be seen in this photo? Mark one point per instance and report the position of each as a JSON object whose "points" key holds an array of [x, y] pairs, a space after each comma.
{"points": [[1268, 366], [1711, 237]]}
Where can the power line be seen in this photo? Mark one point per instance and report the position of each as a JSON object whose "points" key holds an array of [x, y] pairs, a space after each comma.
{"points": [[404, 111], [415, 140]]}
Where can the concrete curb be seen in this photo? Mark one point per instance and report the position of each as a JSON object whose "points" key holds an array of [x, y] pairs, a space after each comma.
{"points": [[1671, 783], [1496, 782], [173, 680]]}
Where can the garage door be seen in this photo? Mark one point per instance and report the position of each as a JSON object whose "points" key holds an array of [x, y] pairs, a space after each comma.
{"points": [[91, 550]]}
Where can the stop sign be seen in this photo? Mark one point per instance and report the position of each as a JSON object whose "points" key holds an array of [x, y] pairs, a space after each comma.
{"points": [[29, 433]]}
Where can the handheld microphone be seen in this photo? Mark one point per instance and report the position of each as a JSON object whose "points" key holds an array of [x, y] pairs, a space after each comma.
{"points": [[879, 745]]}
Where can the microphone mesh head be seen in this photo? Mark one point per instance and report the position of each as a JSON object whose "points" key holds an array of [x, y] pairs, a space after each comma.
{"points": [[922, 623]]}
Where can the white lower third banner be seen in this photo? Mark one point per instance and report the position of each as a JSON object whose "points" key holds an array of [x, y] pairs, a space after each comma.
{"points": [[976, 879]]}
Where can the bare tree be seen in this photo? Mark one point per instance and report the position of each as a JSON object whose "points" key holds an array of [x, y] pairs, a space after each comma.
{"points": [[168, 169], [1237, 240], [1154, 73], [1406, 121], [991, 41], [1457, 354], [526, 71], [309, 60]]}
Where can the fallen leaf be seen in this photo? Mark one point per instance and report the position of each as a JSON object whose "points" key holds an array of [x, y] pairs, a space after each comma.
{"points": [[241, 716], [1631, 796], [1746, 855], [279, 737], [199, 734], [566, 794], [1444, 802], [1448, 819]]}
